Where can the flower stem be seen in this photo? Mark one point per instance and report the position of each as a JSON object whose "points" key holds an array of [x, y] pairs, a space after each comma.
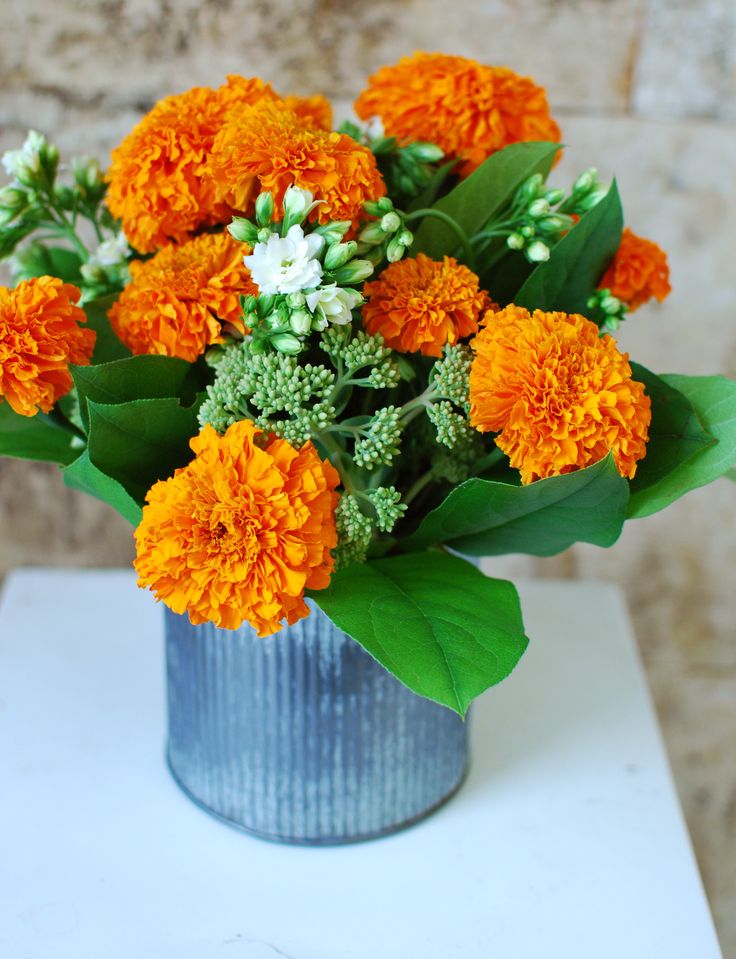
{"points": [[417, 488], [454, 226]]}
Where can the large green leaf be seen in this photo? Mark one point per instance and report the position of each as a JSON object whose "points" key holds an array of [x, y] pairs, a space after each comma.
{"points": [[476, 200], [35, 437], [714, 401], [434, 621], [577, 262], [140, 442], [133, 378], [675, 433], [108, 347], [487, 518], [37, 259], [83, 475]]}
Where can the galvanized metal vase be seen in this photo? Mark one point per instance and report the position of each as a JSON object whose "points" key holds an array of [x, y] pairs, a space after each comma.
{"points": [[303, 737]]}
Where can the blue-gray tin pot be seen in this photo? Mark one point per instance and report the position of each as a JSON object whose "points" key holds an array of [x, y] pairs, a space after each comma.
{"points": [[303, 737]]}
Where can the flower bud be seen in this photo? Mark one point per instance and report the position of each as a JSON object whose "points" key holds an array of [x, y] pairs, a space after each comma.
{"points": [[243, 230], [515, 241], [528, 231], [592, 199], [12, 203], [354, 272], [372, 208], [537, 252], [296, 300], [424, 152], [556, 223], [266, 303], [610, 304], [405, 238], [585, 182], [390, 222], [286, 343], [553, 197], [530, 189], [373, 233], [264, 234], [395, 250], [264, 209], [297, 205], [333, 232], [339, 254], [25, 164], [301, 322], [385, 204], [538, 208]]}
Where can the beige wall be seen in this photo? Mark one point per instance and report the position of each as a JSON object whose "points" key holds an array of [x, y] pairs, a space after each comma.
{"points": [[643, 88]]}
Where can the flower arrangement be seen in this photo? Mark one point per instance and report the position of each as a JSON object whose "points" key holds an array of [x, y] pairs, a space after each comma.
{"points": [[325, 365]]}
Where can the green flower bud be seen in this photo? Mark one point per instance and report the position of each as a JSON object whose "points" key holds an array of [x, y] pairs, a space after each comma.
{"points": [[515, 241], [385, 204], [300, 322], [383, 145], [333, 232], [372, 208], [243, 230], [87, 173], [537, 252], [395, 250], [339, 254], [528, 231], [424, 152], [286, 343], [390, 222], [538, 208], [373, 233], [66, 197], [530, 189], [249, 303], [405, 238], [592, 199], [556, 223], [354, 272], [296, 300], [264, 209], [265, 303], [610, 304], [264, 234], [297, 205], [585, 182], [553, 197]]}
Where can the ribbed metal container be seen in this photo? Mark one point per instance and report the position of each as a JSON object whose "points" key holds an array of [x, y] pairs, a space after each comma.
{"points": [[302, 737]]}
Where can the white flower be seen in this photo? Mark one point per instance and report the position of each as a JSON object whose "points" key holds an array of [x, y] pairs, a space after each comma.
{"points": [[333, 304], [297, 203], [288, 264], [112, 252], [27, 160]]}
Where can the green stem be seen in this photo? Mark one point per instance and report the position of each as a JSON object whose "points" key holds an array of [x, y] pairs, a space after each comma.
{"points": [[454, 226], [417, 488], [486, 462]]}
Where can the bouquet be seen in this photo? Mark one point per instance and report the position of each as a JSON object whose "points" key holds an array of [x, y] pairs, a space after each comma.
{"points": [[325, 367]]}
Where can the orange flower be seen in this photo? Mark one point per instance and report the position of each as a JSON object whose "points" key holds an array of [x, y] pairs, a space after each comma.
{"points": [[40, 335], [177, 300], [240, 532], [638, 272], [268, 147], [158, 186], [560, 396], [468, 109], [314, 112], [421, 304]]}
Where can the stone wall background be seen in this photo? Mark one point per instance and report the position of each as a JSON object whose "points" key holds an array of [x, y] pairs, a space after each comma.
{"points": [[642, 88]]}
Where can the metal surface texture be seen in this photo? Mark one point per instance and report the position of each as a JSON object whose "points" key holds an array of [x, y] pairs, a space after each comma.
{"points": [[303, 737]]}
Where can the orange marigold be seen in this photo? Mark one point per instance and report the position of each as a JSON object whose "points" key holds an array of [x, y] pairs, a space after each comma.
{"points": [[176, 301], [468, 109], [40, 335], [158, 186], [422, 304], [638, 271], [241, 532], [560, 396], [269, 147]]}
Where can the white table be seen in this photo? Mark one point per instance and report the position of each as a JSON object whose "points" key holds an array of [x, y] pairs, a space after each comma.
{"points": [[567, 841]]}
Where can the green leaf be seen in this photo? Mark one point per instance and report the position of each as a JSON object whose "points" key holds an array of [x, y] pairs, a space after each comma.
{"points": [[35, 437], [476, 200], [83, 475], [577, 262], [140, 442], [108, 347], [675, 433], [135, 378], [714, 400], [37, 259], [487, 518], [432, 620]]}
